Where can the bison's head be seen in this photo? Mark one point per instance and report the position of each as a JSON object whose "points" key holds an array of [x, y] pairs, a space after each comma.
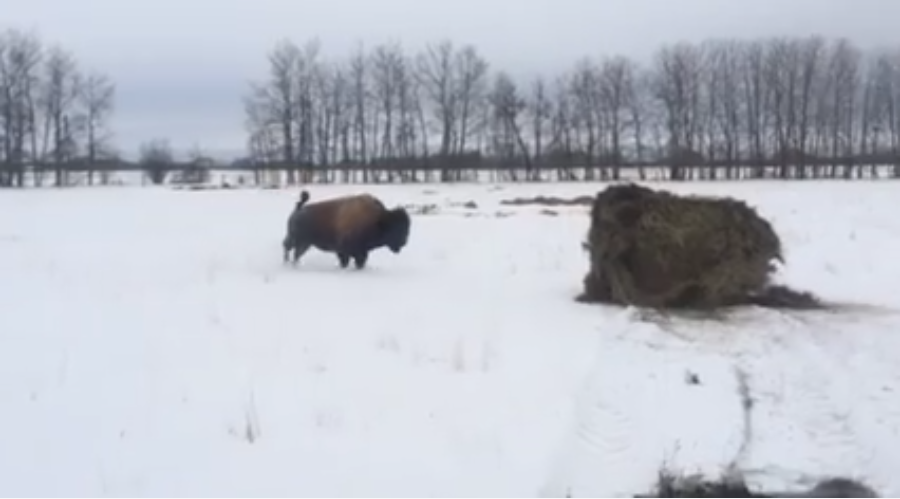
{"points": [[394, 227]]}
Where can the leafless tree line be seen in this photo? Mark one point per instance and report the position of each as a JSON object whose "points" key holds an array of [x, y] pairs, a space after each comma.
{"points": [[54, 114], [722, 109]]}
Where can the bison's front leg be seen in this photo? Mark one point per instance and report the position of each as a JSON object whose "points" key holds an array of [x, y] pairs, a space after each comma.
{"points": [[360, 259], [344, 260], [352, 247]]}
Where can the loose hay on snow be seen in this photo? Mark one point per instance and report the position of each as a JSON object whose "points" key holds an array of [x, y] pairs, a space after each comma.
{"points": [[695, 486], [656, 249], [732, 483], [549, 201], [422, 209]]}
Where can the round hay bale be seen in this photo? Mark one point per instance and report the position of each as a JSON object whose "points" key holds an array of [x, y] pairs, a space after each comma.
{"points": [[656, 249]]}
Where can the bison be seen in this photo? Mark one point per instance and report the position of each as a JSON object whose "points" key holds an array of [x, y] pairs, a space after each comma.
{"points": [[350, 226]]}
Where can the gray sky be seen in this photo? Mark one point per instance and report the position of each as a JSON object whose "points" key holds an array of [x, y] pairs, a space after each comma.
{"points": [[182, 66]]}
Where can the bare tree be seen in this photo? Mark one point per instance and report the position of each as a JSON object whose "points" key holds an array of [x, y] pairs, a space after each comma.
{"points": [[540, 108], [560, 150], [725, 104], [844, 82], [196, 169], [97, 102], [617, 80], [360, 91], [884, 120], [679, 88], [275, 101], [341, 105], [157, 160], [436, 76], [811, 58], [411, 127], [20, 57], [328, 113], [585, 88], [642, 112], [309, 78], [508, 105], [387, 71], [59, 96], [471, 78]]}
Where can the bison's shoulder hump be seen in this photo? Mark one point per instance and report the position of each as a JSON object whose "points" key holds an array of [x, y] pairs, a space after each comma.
{"points": [[356, 212]]}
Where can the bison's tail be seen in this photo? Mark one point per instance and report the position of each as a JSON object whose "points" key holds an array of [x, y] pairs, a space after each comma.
{"points": [[304, 197]]}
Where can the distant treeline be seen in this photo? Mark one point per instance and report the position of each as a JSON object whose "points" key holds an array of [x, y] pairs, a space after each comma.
{"points": [[475, 169], [770, 108], [783, 108]]}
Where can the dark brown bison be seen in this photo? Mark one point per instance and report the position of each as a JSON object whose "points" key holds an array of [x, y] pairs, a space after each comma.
{"points": [[350, 226]]}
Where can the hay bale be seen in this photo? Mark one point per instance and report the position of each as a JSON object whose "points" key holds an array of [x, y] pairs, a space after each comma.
{"points": [[656, 249]]}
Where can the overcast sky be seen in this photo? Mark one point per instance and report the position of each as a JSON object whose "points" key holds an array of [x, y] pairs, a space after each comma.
{"points": [[181, 66]]}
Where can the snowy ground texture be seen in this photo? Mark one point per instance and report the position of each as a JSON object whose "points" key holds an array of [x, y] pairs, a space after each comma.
{"points": [[152, 344]]}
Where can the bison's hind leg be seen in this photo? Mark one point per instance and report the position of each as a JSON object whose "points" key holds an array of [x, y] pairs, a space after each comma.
{"points": [[287, 245], [299, 251]]}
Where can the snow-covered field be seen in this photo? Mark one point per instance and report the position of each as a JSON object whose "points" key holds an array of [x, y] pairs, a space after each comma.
{"points": [[152, 343]]}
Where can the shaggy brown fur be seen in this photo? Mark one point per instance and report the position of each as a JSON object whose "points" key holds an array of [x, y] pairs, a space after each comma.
{"points": [[656, 249], [351, 226], [348, 215]]}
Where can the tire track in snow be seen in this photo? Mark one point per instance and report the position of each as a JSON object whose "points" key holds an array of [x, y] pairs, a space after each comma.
{"points": [[812, 392], [803, 405], [637, 412], [814, 413]]}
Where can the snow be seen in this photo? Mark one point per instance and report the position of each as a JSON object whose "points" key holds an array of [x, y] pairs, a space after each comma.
{"points": [[152, 343]]}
